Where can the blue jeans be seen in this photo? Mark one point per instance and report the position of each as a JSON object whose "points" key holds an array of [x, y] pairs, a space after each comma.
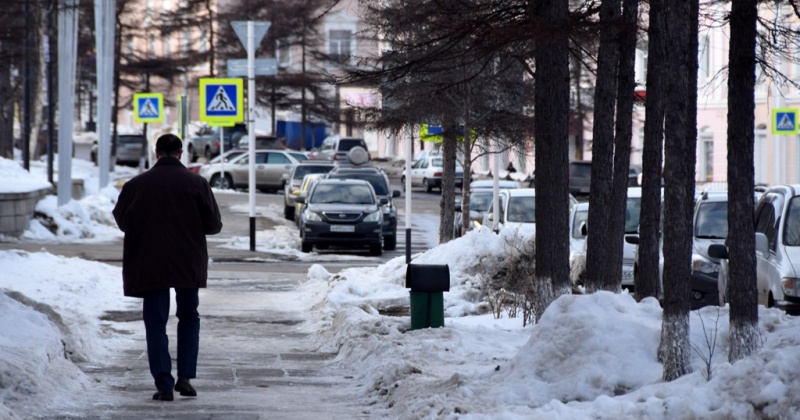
{"points": [[155, 312]]}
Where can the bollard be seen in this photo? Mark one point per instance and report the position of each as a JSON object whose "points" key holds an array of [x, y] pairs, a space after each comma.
{"points": [[427, 283]]}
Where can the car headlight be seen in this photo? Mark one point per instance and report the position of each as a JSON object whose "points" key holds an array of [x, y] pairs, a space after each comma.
{"points": [[703, 264], [386, 209], [791, 286], [375, 216], [311, 216]]}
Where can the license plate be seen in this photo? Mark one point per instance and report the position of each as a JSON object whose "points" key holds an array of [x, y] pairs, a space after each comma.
{"points": [[627, 275], [343, 228]]}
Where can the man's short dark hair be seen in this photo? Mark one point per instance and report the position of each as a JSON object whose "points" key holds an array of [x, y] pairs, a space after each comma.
{"points": [[168, 144]]}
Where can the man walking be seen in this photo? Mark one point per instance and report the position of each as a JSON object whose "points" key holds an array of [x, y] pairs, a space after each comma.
{"points": [[166, 214]]}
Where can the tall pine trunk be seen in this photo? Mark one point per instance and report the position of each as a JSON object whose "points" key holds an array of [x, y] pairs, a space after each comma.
{"points": [[679, 166], [602, 274], [551, 130], [447, 203], [647, 273], [743, 296]]}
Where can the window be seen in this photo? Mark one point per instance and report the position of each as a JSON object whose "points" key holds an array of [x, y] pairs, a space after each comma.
{"points": [[704, 60], [278, 158], [282, 53], [339, 45], [151, 45], [791, 230], [203, 40], [167, 44], [767, 218], [129, 44], [185, 41]]}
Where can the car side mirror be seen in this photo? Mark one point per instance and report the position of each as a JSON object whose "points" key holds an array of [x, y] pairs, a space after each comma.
{"points": [[584, 229], [301, 199], [396, 193], [632, 239], [383, 201], [762, 244], [718, 251]]}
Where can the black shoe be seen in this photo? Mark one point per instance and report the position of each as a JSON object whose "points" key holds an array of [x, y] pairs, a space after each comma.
{"points": [[185, 388], [163, 396]]}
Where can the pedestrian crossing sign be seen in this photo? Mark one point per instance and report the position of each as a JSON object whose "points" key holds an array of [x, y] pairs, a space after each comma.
{"points": [[784, 121], [221, 100], [148, 107]]}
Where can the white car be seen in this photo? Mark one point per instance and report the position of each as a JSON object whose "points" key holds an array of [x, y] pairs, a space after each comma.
{"points": [[777, 229], [427, 172], [517, 211], [578, 218]]}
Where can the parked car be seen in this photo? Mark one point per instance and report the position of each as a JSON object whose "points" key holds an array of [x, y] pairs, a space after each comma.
{"points": [[710, 226], [129, 149], [337, 148], [305, 186], [517, 210], [777, 238], [380, 184], [270, 166], [427, 172], [228, 156], [578, 218], [342, 212], [293, 180], [206, 141], [264, 142], [480, 197], [580, 176]]}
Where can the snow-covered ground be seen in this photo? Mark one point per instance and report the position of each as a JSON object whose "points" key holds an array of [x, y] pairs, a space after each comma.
{"points": [[589, 357]]}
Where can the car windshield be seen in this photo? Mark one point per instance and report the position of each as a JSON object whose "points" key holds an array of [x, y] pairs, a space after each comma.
{"points": [[303, 170], [791, 232], [480, 200], [712, 220], [522, 210], [581, 216], [438, 163], [342, 194], [227, 157], [633, 209]]}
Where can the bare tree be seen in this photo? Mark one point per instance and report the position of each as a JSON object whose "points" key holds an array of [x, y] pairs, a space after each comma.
{"points": [[679, 166], [744, 337]]}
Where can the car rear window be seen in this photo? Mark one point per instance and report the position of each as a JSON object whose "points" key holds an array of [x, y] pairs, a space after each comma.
{"points": [[303, 170], [299, 156], [378, 182], [130, 139], [347, 144]]}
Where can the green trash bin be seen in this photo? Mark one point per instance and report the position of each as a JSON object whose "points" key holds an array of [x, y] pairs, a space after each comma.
{"points": [[427, 283]]}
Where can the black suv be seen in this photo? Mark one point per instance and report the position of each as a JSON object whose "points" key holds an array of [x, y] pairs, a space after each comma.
{"points": [[380, 183], [342, 212]]}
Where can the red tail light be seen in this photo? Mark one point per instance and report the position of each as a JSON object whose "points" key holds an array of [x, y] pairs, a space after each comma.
{"points": [[216, 144], [437, 174]]}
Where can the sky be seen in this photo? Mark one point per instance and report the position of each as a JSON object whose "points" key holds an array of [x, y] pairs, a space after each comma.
{"points": [[589, 357]]}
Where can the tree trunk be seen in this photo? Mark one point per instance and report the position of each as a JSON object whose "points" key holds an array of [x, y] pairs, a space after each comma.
{"points": [[7, 99], [743, 296], [551, 133], [647, 274], [622, 144], [447, 203], [600, 272], [679, 166], [465, 191]]}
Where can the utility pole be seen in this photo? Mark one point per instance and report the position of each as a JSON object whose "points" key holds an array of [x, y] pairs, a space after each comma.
{"points": [[26, 77]]}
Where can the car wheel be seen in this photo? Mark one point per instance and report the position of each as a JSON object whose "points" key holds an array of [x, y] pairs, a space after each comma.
{"points": [[306, 246], [390, 242], [192, 155], [403, 183], [358, 156], [375, 250], [218, 181], [207, 154], [428, 186], [288, 212]]}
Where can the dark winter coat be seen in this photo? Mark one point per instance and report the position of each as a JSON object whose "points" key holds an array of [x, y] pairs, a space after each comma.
{"points": [[166, 214]]}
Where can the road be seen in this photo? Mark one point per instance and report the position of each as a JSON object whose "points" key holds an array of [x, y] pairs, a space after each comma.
{"points": [[258, 357]]}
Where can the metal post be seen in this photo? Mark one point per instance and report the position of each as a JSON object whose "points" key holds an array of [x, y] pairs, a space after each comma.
{"points": [[26, 101], [251, 132], [222, 151], [496, 191], [409, 142]]}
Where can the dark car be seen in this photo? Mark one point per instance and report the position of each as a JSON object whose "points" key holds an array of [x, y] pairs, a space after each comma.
{"points": [[380, 183], [342, 212], [295, 177]]}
